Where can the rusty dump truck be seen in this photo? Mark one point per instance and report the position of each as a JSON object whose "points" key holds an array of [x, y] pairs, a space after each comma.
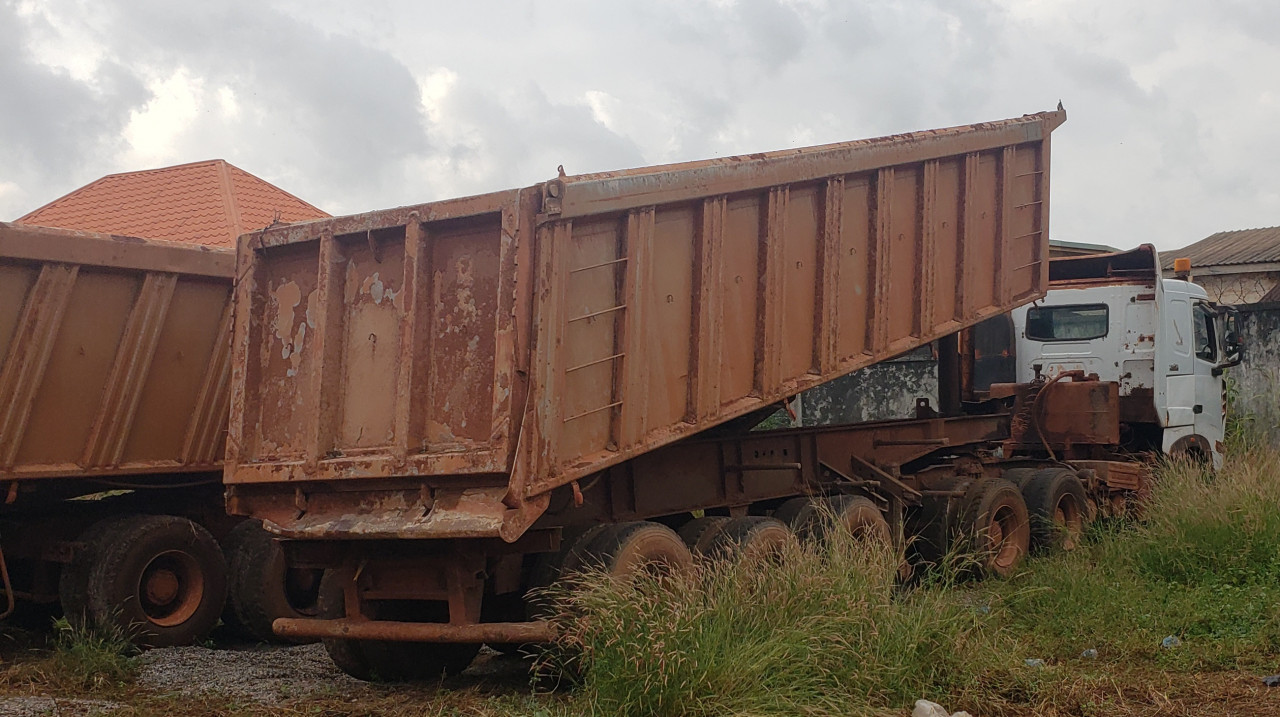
{"points": [[114, 392], [448, 405]]}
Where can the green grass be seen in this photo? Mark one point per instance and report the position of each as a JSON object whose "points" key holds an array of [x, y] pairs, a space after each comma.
{"points": [[78, 659], [1203, 565], [817, 632], [827, 631]]}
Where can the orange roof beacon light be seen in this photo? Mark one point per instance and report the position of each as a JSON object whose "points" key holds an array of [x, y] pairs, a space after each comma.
{"points": [[1182, 268]]}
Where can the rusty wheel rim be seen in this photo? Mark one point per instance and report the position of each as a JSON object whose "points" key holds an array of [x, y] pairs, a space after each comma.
{"points": [[1001, 528], [171, 588], [1068, 519]]}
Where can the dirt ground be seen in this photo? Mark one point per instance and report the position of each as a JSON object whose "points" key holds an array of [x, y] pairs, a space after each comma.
{"points": [[300, 680]]}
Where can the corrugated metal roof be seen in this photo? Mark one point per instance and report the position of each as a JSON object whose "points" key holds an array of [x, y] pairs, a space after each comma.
{"points": [[1243, 246], [208, 203]]}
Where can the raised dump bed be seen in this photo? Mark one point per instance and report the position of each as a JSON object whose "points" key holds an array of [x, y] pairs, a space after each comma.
{"points": [[114, 356], [435, 371]]}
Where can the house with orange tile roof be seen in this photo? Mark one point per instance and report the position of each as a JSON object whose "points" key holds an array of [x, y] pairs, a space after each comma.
{"points": [[209, 203]]}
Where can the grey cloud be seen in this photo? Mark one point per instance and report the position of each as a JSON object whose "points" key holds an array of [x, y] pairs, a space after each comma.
{"points": [[56, 129], [324, 101]]}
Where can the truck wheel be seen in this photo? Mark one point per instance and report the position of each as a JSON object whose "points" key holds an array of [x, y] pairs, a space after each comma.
{"points": [[996, 517], [1019, 476], [162, 578], [1058, 507], [751, 537], [813, 518], [861, 517], [261, 587], [701, 532], [73, 581], [932, 526], [790, 512], [384, 661], [628, 549]]}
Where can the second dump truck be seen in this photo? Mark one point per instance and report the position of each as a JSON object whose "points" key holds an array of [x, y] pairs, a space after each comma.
{"points": [[114, 373], [447, 405]]}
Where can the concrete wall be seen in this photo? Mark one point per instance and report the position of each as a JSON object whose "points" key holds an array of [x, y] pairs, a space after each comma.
{"points": [[1254, 385], [1244, 288], [880, 392]]}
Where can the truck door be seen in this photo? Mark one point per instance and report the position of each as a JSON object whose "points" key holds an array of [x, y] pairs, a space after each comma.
{"points": [[1209, 388], [1174, 359]]}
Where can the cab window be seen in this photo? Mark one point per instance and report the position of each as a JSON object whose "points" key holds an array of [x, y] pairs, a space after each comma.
{"points": [[1206, 341], [1067, 323]]}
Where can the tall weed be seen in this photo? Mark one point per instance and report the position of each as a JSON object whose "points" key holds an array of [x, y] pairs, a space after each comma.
{"points": [[814, 630]]}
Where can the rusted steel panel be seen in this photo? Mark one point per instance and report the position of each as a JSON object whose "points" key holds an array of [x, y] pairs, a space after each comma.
{"points": [[540, 335], [113, 354]]}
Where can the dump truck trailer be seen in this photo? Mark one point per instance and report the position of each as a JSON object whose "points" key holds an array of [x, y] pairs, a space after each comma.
{"points": [[113, 407], [446, 405]]}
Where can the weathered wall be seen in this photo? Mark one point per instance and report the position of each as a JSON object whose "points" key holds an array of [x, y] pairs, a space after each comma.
{"points": [[880, 392], [1255, 383], [1244, 288]]}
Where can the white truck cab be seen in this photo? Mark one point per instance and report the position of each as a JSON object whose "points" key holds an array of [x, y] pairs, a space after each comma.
{"points": [[1162, 340]]}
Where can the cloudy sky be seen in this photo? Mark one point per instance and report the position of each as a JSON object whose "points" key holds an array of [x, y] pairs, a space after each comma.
{"points": [[1174, 106]]}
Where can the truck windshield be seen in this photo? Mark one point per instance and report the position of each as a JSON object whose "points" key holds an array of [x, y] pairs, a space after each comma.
{"points": [[1067, 323]]}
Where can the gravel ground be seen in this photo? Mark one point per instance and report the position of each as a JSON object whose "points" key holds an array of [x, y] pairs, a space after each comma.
{"points": [[266, 675], [41, 706]]}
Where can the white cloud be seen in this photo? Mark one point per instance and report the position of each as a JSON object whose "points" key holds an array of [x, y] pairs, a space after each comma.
{"points": [[153, 129]]}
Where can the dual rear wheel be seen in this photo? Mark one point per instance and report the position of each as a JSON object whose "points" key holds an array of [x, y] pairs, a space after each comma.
{"points": [[160, 580], [163, 580]]}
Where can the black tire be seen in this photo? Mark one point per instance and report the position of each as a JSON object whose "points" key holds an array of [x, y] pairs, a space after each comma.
{"points": [[934, 525], [791, 510], [700, 532], [627, 548], [550, 567], [1019, 476], [1058, 506], [261, 587], [752, 537], [812, 519], [995, 519], [347, 655], [73, 581], [861, 517], [381, 661], [161, 578]]}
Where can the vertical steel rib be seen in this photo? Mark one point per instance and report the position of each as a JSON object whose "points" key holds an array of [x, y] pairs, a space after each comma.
{"points": [[967, 232], [134, 354], [772, 295], [411, 327], [634, 405], [28, 357], [879, 297], [926, 250], [202, 443], [827, 335], [1004, 219], [708, 329], [324, 342]]}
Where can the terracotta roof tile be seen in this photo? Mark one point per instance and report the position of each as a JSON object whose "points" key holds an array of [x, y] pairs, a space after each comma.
{"points": [[1243, 246], [208, 203]]}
